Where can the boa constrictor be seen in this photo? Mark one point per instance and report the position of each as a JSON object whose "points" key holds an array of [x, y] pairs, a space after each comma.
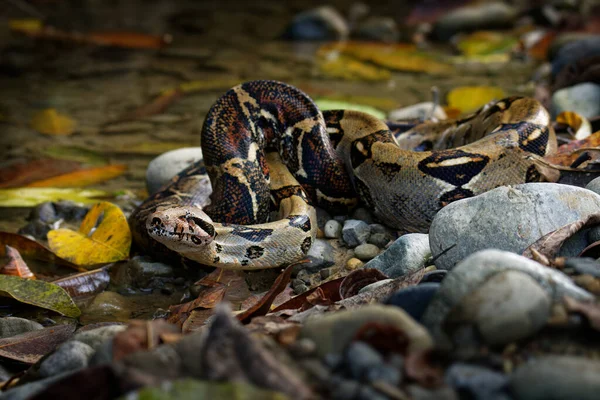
{"points": [[266, 143]]}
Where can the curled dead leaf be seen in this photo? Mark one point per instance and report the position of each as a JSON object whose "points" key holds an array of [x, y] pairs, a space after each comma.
{"points": [[16, 266]]}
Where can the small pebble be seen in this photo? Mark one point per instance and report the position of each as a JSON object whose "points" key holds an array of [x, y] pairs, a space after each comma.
{"points": [[333, 229], [301, 288], [366, 251], [363, 214], [355, 232], [353, 264], [379, 239]]}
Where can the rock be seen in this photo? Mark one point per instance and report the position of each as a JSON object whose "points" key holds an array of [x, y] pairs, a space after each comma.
{"points": [[583, 98], [471, 273], [583, 266], [12, 326], [355, 232], [29, 390], [164, 167], [569, 48], [107, 307], [594, 185], [434, 276], [414, 299], [420, 111], [96, 337], [373, 286], [556, 378], [300, 288], [519, 306], [379, 239], [509, 218], [44, 217], [486, 16], [353, 264], [321, 23], [322, 217], [360, 358], [145, 273], [345, 389], [333, 229], [417, 392], [333, 332], [478, 383], [70, 356], [363, 214], [382, 29], [366, 251], [321, 255], [407, 254], [369, 393]]}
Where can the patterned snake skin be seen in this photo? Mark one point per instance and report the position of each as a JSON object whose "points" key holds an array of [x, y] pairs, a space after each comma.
{"points": [[265, 143]]}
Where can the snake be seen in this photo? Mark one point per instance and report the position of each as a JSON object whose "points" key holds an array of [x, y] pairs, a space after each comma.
{"points": [[270, 155]]}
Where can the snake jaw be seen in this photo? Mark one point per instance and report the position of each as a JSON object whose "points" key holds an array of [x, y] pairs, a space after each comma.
{"points": [[177, 227]]}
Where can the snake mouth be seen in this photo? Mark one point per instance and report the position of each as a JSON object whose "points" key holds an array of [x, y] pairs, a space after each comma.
{"points": [[166, 236], [175, 229]]}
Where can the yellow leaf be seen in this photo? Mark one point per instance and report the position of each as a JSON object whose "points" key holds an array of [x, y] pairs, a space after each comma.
{"points": [[346, 68], [50, 122], [470, 98], [103, 237], [30, 197], [484, 43], [579, 124], [84, 177], [26, 24]]}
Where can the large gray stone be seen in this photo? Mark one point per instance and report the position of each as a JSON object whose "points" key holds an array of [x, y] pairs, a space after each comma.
{"points": [[167, 165], [583, 98], [12, 326], [407, 254], [70, 356], [471, 273], [321, 23], [557, 378], [487, 15], [509, 218]]}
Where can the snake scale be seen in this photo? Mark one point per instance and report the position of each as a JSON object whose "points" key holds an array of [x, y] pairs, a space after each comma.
{"points": [[267, 146]]}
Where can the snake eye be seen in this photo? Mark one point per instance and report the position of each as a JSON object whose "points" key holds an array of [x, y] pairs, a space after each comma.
{"points": [[196, 240]]}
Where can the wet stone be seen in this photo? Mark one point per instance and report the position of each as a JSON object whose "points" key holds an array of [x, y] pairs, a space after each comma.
{"points": [[379, 239], [95, 337], [583, 98], [407, 254], [360, 358], [321, 23], [363, 214], [333, 229], [415, 299], [12, 326], [479, 383], [355, 232], [366, 251], [70, 356], [146, 273], [107, 307]]}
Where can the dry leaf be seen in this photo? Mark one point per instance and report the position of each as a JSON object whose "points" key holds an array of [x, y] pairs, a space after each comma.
{"points": [[50, 122], [24, 172], [579, 125], [103, 237], [549, 245], [156, 106], [30, 347], [566, 154], [140, 336], [16, 266], [31, 197], [83, 177], [471, 98], [329, 290], [358, 279], [129, 40], [86, 283], [590, 310], [207, 299], [31, 249]]}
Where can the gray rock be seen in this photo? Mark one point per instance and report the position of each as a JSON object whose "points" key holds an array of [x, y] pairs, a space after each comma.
{"points": [[382, 29], [363, 214], [379, 239], [556, 378], [407, 254], [366, 251], [476, 269], [509, 218], [321, 23], [95, 337], [479, 382], [355, 232], [333, 332], [519, 306], [584, 266], [70, 356], [333, 229], [594, 185], [369, 393], [322, 217], [373, 286], [144, 273], [11, 326], [29, 390], [583, 98], [345, 389], [321, 255], [482, 16], [167, 165], [360, 358], [417, 392]]}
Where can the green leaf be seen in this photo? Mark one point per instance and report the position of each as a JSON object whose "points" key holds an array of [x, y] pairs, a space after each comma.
{"points": [[329, 104], [39, 293], [192, 389], [75, 153], [31, 197]]}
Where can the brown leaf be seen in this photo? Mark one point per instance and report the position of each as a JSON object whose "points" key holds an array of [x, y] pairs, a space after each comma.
{"points": [[31, 248], [24, 172], [208, 299], [382, 292], [330, 290], [358, 279], [16, 266], [263, 306], [422, 367], [591, 311], [237, 290], [550, 244], [140, 336], [82, 177], [156, 106], [29, 347], [230, 353], [566, 154], [385, 338], [85, 283], [284, 332], [591, 251], [196, 320]]}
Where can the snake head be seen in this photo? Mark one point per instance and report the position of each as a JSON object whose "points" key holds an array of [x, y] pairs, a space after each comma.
{"points": [[180, 227]]}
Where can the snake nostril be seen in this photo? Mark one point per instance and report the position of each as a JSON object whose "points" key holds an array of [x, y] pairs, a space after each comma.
{"points": [[155, 221]]}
